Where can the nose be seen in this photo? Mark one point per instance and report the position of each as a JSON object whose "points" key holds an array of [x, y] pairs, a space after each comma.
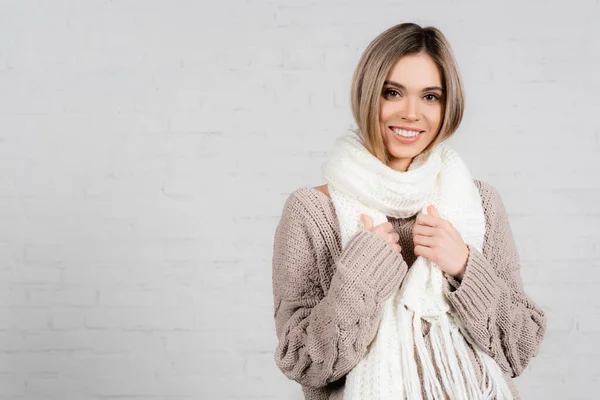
{"points": [[411, 109]]}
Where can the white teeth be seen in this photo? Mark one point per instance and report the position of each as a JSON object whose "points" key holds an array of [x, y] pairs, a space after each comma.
{"points": [[405, 133]]}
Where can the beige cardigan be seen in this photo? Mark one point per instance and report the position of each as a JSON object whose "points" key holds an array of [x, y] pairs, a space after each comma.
{"points": [[328, 301]]}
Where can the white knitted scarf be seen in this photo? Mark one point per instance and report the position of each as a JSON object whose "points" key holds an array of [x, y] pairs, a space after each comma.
{"points": [[360, 183]]}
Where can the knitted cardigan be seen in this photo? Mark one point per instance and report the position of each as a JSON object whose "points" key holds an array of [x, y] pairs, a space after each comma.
{"points": [[320, 290]]}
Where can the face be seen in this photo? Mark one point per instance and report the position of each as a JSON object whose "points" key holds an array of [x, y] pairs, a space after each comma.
{"points": [[411, 99]]}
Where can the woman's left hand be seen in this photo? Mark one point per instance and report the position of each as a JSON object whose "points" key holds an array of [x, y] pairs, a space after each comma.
{"points": [[437, 240]]}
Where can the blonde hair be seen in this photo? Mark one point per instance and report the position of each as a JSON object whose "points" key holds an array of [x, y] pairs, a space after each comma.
{"points": [[375, 63]]}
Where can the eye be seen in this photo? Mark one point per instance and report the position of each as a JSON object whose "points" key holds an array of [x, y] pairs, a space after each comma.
{"points": [[391, 92], [435, 96]]}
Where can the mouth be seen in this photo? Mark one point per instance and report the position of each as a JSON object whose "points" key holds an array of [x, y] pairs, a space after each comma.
{"points": [[405, 129], [405, 136]]}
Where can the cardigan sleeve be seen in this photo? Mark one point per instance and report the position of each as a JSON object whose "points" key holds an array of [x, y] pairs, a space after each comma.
{"points": [[490, 299], [321, 337]]}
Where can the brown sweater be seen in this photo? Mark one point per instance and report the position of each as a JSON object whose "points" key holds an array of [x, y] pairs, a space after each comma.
{"points": [[328, 301]]}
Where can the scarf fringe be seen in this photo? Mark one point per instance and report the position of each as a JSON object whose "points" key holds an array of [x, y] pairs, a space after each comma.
{"points": [[449, 346]]}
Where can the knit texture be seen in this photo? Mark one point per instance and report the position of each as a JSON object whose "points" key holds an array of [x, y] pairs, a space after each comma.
{"points": [[358, 183], [328, 301]]}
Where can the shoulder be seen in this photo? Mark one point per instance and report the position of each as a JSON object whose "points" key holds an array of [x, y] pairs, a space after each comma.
{"points": [[485, 188], [309, 205], [490, 197], [303, 200]]}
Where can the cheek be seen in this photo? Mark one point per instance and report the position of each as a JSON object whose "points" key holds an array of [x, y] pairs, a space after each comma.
{"points": [[435, 114], [386, 111]]}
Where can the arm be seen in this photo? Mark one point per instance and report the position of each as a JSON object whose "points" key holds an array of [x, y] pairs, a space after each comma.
{"points": [[322, 337], [490, 298]]}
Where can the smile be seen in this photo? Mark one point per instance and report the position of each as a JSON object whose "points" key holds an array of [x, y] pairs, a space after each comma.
{"points": [[406, 136]]}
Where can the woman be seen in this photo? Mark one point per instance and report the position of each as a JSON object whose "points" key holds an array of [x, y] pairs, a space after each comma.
{"points": [[399, 278]]}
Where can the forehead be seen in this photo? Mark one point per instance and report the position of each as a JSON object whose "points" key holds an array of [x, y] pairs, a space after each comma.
{"points": [[415, 71]]}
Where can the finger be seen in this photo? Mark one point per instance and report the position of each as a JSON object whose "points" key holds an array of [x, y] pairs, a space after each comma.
{"points": [[426, 241], [428, 220], [367, 221], [424, 251], [424, 230], [388, 237], [431, 210], [385, 228]]}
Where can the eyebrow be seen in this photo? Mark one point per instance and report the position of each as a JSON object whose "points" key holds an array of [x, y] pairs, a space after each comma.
{"points": [[399, 86]]}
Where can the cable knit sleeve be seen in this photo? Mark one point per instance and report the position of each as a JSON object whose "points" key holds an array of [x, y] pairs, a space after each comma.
{"points": [[502, 319], [321, 337]]}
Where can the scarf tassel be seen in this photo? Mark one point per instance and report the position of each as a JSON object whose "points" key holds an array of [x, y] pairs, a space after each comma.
{"points": [[440, 374], [449, 349]]}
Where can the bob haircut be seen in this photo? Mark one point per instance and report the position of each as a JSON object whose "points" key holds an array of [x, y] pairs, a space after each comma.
{"points": [[374, 65]]}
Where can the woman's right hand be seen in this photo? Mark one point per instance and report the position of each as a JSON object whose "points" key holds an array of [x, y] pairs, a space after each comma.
{"points": [[385, 231]]}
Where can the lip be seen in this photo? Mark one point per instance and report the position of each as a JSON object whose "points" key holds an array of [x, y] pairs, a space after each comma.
{"points": [[404, 140], [407, 128]]}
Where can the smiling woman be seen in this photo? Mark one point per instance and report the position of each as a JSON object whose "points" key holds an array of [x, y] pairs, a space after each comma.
{"points": [[399, 278], [421, 90], [411, 113]]}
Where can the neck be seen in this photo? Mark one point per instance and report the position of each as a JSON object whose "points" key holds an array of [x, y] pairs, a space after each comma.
{"points": [[400, 165]]}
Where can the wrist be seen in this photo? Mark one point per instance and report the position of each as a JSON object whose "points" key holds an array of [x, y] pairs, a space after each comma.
{"points": [[463, 269]]}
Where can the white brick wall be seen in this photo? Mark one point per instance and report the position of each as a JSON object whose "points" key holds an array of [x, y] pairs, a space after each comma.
{"points": [[147, 147]]}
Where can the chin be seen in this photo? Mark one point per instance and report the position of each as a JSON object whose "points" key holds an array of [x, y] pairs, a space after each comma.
{"points": [[404, 154], [399, 150]]}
